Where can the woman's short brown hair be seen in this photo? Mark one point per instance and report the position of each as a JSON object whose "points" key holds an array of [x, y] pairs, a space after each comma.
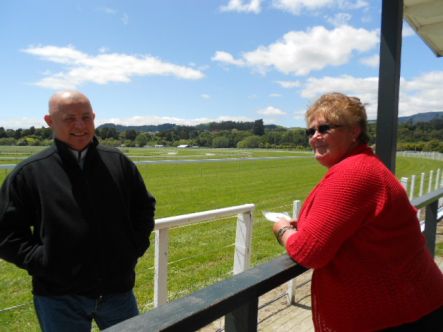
{"points": [[339, 109]]}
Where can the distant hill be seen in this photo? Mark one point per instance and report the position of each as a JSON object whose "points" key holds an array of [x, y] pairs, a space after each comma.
{"points": [[167, 126], [421, 117], [144, 128]]}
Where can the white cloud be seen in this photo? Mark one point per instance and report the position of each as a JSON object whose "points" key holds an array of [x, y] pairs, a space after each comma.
{"points": [[125, 19], [288, 84], [226, 57], [81, 68], [26, 122], [421, 94], [407, 31], [275, 95], [205, 96], [372, 61], [271, 110], [156, 120], [296, 7], [299, 52], [22, 122], [364, 88], [418, 95], [108, 10], [254, 6], [339, 19], [352, 5]]}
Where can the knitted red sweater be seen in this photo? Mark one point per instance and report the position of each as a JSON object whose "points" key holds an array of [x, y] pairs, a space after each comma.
{"points": [[360, 234]]}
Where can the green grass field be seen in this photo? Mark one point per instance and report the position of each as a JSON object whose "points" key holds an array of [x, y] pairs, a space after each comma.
{"points": [[201, 254]]}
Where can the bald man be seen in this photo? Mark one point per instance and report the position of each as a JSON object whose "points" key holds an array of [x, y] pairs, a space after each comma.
{"points": [[76, 216]]}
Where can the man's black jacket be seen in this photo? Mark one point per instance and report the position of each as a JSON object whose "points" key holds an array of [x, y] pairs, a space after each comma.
{"points": [[76, 231]]}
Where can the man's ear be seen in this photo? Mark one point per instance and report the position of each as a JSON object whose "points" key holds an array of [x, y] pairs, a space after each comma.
{"points": [[48, 120]]}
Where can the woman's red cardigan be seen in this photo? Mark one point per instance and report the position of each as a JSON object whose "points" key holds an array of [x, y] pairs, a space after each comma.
{"points": [[360, 234]]}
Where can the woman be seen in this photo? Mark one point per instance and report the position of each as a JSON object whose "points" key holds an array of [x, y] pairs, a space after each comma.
{"points": [[360, 234]]}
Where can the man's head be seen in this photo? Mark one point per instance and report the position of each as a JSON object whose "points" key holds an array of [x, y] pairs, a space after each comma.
{"points": [[71, 119]]}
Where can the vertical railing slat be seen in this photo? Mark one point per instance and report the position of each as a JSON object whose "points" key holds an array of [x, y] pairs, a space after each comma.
{"points": [[431, 226], [161, 267], [243, 240], [243, 319], [296, 206]]}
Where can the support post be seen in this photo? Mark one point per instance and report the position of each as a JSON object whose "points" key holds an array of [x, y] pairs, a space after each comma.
{"points": [[244, 318], [404, 182], [412, 191], [431, 226], [161, 267], [243, 240], [292, 284], [437, 179], [389, 81], [431, 177]]}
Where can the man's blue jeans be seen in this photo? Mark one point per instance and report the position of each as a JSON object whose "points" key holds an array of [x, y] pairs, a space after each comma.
{"points": [[75, 313]]}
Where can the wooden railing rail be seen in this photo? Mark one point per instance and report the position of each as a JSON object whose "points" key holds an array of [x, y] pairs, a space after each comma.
{"points": [[236, 297]]}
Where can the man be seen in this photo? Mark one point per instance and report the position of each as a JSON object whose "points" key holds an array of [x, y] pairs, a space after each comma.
{"points": [[76, 216]]}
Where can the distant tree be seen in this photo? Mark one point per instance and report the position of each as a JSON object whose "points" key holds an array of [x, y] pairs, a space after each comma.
{"points": [[204, 139], [108, 132], [258, 128], [43, 133], [10, 133], [18, 133], [141, 140], [250, 142], [130, 134], [7, 141], [220, 142]]}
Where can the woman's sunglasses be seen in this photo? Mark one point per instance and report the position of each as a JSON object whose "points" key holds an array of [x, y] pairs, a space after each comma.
{"points": [[322, 129]]}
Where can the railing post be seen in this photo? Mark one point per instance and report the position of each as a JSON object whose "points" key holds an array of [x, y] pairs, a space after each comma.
{"points": [[431, 176], [411, 192], [292, 283], [244, 318], [437, 179], [422, 184], [431, 226], [404, 182], [243, 240], [161, 267]]}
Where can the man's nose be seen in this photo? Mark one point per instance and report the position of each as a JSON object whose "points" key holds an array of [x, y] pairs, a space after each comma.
{"points": [[79, 123]]}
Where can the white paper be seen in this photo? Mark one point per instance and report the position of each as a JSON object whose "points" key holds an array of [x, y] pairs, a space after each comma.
{"points": [[276, 216]]}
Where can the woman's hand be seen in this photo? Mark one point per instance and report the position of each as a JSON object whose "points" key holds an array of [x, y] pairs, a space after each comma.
{"points": [[283, 229]]}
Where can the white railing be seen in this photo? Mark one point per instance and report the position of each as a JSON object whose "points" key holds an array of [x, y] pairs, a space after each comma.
{"points": [[243, 239], [421, 154], [434, 181]]}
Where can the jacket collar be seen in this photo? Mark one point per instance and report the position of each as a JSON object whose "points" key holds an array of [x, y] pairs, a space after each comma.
{"points": [[73, 156]]}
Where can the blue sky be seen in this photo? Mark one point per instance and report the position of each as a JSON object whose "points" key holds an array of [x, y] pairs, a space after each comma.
{"points": [[195, 61]]}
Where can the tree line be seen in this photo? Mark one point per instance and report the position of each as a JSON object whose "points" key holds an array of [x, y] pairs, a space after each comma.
{"points": [[420, 136]]}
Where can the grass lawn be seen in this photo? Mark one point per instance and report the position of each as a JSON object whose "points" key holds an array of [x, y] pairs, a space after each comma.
{"points": [[201, 254]]}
